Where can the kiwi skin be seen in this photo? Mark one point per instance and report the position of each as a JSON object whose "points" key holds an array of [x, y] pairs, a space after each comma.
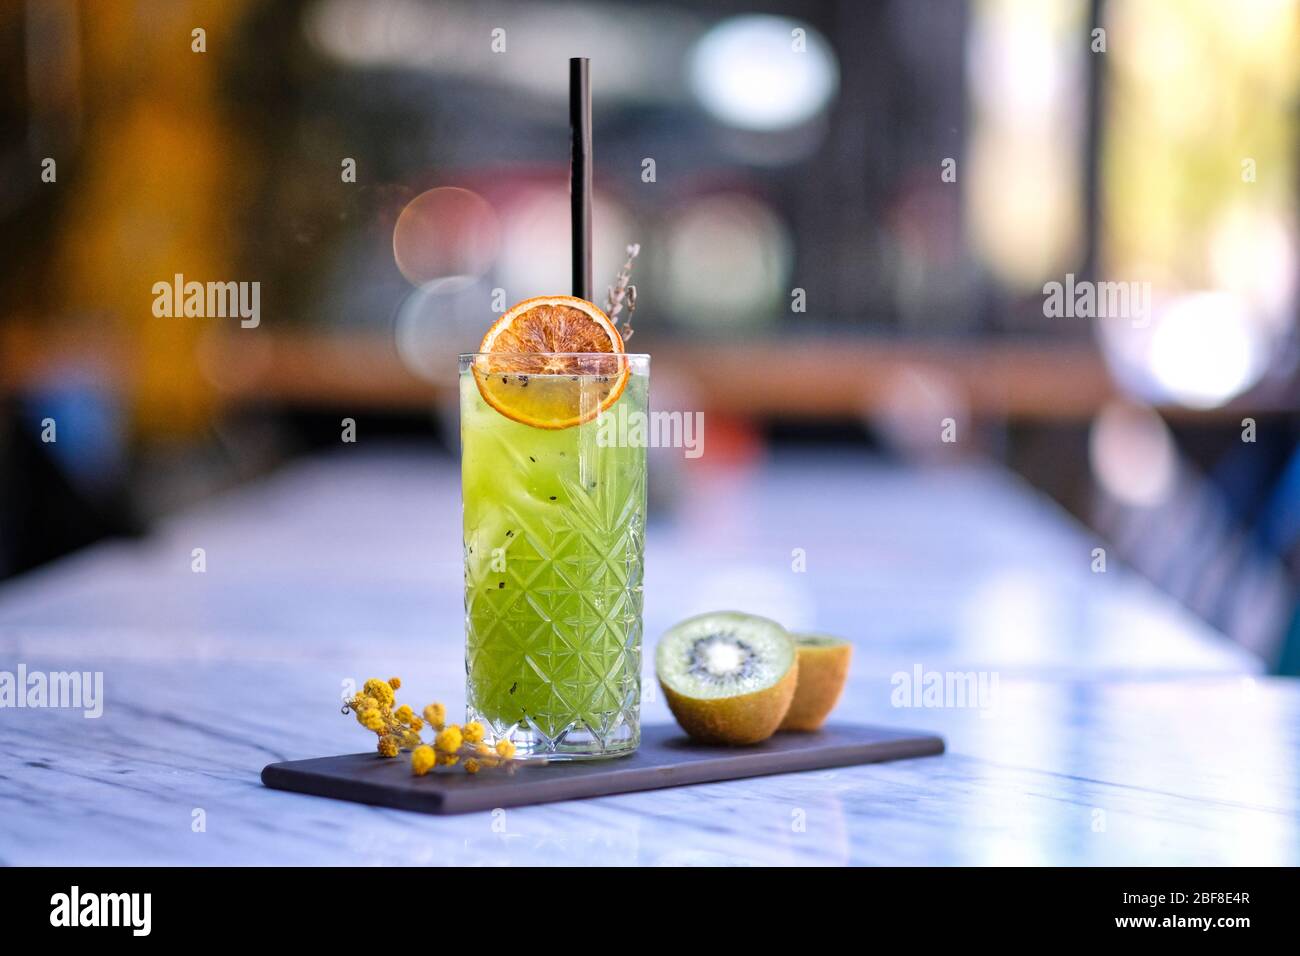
{"points": [[823, 665], [735, 721]]}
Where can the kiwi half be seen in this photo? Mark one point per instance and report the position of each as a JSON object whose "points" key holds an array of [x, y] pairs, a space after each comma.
{"points": [[823, 670], [728, 677]]}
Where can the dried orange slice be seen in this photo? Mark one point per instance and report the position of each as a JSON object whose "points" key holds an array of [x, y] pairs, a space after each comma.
{"points": [[553, 361]]}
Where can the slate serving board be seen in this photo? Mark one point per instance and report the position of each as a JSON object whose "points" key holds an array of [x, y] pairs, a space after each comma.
{"points": [[666, 758]]}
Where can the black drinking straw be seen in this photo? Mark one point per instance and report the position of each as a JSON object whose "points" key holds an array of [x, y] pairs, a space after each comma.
{"points": [[580, 173]]}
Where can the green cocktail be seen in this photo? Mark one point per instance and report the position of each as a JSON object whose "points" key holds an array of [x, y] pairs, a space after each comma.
{"points": [[554, 545]]}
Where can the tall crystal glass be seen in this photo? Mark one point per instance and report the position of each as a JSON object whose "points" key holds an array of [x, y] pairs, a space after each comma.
{"points": [[553, 484]]}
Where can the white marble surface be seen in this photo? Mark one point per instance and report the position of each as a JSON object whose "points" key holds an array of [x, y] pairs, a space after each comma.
{"points": [[1123, 732]]}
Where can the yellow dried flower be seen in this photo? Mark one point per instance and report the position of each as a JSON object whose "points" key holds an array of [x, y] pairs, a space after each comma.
{"points": [[486, 755], [381, 692], [422, 760], [436, 715], [449, 740], [398, 729]]}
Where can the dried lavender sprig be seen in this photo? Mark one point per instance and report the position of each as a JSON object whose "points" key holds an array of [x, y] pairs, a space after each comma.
{"points": [[631, 307], [623, 291]]}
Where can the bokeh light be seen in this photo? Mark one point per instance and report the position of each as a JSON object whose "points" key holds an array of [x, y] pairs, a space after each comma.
{"points": [[1132, 454], [751, 72], [729, 261], [445, 232], [536, 256], [439, 320], [1025, 64], [1200, 350], [1252, 254], [639, 48], [1199, 171], [1205, 349]]}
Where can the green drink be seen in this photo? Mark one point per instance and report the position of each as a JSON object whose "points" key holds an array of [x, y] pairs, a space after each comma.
{"points": [[554, 521]]}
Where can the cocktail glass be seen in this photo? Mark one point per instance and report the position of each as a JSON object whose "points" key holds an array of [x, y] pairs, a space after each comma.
{"points": [[554, 535]]}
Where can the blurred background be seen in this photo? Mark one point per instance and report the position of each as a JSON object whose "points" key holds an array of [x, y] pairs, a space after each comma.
{"points": [[849, 214]]}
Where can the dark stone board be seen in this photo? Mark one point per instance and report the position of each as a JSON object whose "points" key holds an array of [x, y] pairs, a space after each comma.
{"points": [[666, 758]]}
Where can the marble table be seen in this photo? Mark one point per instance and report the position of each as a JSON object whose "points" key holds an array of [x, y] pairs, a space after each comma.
{"points": [[1115, 728]]}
